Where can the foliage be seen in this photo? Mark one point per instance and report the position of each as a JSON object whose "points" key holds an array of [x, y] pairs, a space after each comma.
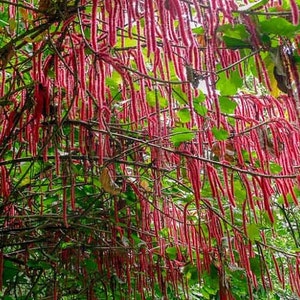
{"points": [[149, 149]]}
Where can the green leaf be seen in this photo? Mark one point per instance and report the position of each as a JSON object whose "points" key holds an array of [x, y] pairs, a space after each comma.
{"points": [[255, 265], [201, 98], [252, 6], [238, 31], [200, 109], [172, 252], [164, 233], [231, 121], [10, 270], [288, 198], [266, 40], [229, 85], [179, 95], [191, 273], [184, 115], [113, 82], [278, 26], [205, 294], [181, 135], [151, 97], [66, 245], [239, 191], [220, 134], [198, 30], [253, 232], [234, 43], [4, 19], [34, 264], [275, 168], [227, 106], [90, 265]]}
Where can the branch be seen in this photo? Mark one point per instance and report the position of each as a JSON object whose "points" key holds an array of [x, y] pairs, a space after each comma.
{"points": [[18, 4], [154, 78], [151, 143]]}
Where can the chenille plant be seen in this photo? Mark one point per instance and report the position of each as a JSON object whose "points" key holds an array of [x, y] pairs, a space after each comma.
{"points": [[149, 149]]}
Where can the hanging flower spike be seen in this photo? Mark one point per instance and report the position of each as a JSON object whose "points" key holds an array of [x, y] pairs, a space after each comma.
{"points": [[42, 101]]}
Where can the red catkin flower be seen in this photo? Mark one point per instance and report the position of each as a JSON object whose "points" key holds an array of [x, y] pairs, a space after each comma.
{"points": [[1, 269], [94, 24], [295, 12]]}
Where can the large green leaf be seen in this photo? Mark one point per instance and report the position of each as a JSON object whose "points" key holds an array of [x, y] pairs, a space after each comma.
{"points": [[220, 134], [279, 26], [184, 115], [153, 96], [275, 168], [227, 106], [256, 265], [181, 135], [200, 109], [198, 30], [228, 85], [238, 31], [253, 232], [172, 252], [252, 6], [234, 43]]}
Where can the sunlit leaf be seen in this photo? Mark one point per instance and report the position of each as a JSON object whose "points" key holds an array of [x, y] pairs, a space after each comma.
{"points": [[198, 30], [237, 31], [275, 168], [184, 115], [253, 232], [172, 252], [180, 135], [200, 109], [153, 96], [253, 5], [227, 106], [12, 25], [278, 26], [220, 134], [229, 85], [179, 95], [200, 98]]}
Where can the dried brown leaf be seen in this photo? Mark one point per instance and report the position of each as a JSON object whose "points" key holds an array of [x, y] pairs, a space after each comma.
{"points": [[6, 54]]}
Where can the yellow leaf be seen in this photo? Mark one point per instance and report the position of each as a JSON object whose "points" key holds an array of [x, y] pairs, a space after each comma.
{"points": [[275, 91], [12, 25], [108, 184], [25, 182], [145, 185]]}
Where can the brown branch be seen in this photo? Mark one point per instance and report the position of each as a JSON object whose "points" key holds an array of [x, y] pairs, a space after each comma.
{"points": [[206, 160], [154, 78], [18, 4], [151, 143]]}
